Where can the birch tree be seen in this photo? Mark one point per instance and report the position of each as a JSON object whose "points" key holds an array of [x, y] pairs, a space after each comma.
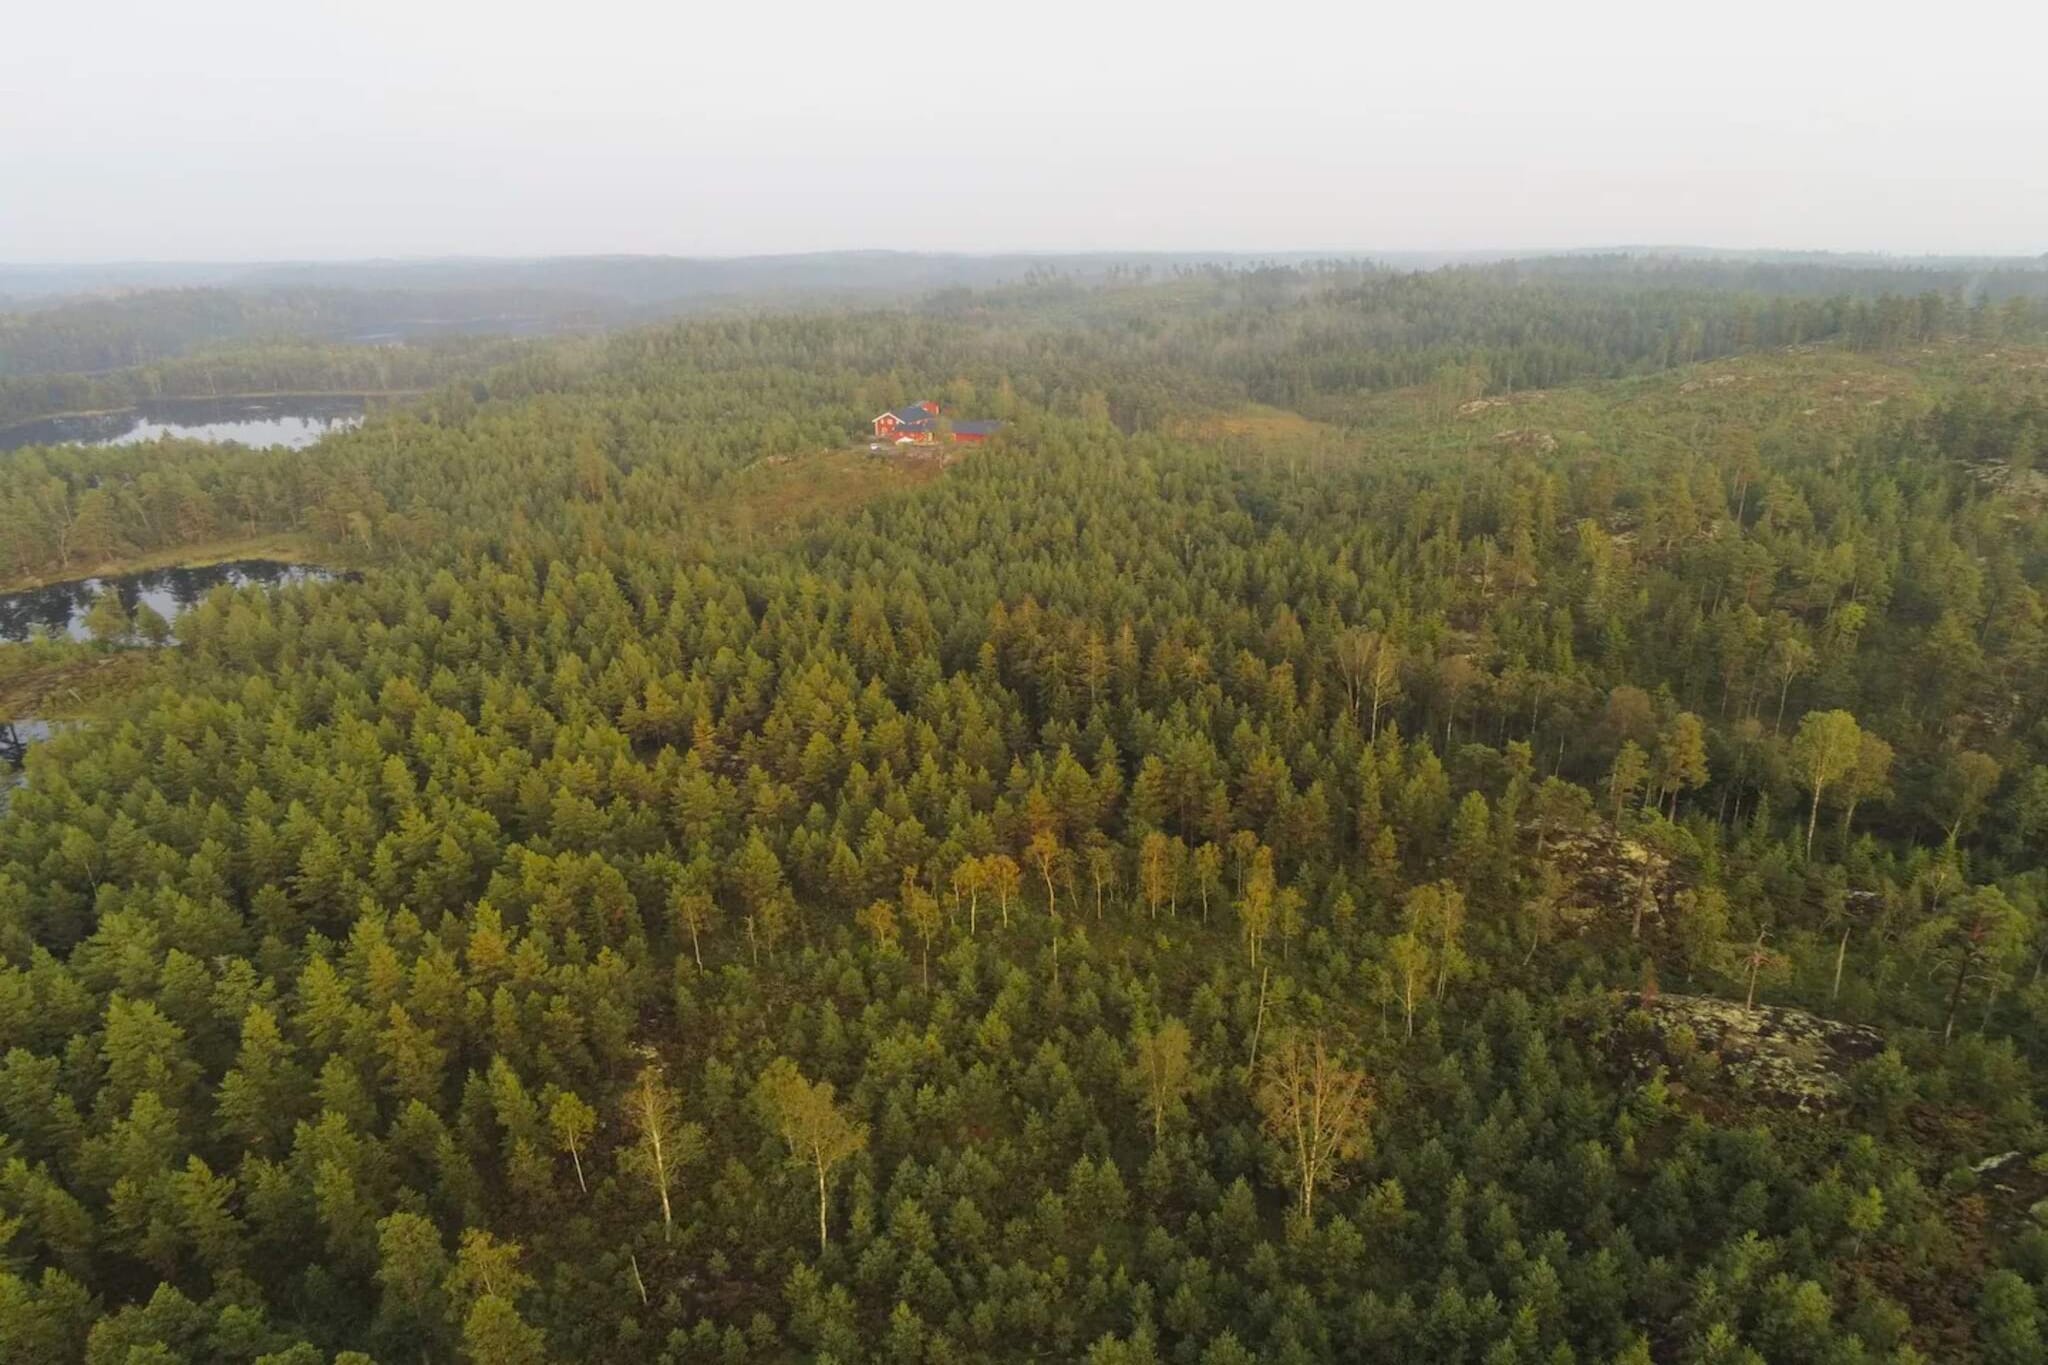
{"points": [[572, 1122], [1317, 1109], [662, 1144], [1161, 1072], [1824, 751], [819, 1133], [1409, 967], [1004, 878]]}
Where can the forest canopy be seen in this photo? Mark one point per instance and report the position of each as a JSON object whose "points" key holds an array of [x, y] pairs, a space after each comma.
{"points": [[1498, 816]]}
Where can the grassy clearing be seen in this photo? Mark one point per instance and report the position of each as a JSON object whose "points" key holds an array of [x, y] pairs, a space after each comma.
{"points": [[1260, 423], [64, 680], [775, 498], [1257, 427]]}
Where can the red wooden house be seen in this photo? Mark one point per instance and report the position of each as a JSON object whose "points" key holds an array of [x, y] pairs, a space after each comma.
{"points": [[918, 424], [889, 423]]}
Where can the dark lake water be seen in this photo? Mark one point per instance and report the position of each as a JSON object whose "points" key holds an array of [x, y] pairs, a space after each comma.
{"points": [[15, 737], [60, 608], [289, 423]]}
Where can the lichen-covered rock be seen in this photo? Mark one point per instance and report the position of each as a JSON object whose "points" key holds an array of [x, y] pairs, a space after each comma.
{"points": [[1772, 1055], [1526, 438], [1610, 879]]}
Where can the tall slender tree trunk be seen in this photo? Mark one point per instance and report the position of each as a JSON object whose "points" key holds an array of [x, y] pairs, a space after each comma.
{"points": [[1259, 1021], [1955, 998], [821, 1208], [652, 1112], [1841, 956]]}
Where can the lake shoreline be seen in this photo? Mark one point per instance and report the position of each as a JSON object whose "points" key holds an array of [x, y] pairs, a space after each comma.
{"points": [[295, 547], [263, 396], [111, 609]]}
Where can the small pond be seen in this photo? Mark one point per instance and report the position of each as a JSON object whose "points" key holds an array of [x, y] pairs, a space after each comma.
{"points": [[290, 423], [60, 608]]}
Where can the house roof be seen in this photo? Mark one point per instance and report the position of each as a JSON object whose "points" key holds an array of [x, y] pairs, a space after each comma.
{"points": [[913, 413], [925, 422]]}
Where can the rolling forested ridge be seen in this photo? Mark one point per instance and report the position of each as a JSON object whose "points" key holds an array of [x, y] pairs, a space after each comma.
{"points": [[1497, 815]]}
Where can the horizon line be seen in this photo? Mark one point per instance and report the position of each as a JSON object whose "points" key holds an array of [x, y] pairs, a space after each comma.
{"points": [[1498, 253]]}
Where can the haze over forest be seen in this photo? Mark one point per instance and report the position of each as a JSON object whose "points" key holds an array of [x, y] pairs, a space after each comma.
{"points": [[380, 128]]}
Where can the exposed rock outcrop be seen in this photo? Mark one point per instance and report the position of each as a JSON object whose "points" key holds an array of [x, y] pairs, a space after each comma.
{"points": [[1609, 878], [1772, 1055]]}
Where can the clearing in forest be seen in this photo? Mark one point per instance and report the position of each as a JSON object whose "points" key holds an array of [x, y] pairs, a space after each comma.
{"points": [[783, 492]]}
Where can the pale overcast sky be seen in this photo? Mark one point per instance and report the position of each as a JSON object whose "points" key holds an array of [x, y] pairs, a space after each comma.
{"points": [[273, 129]]}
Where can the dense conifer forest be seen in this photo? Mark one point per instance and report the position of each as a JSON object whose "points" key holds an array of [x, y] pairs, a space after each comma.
{"points": [[1491, 816]]}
